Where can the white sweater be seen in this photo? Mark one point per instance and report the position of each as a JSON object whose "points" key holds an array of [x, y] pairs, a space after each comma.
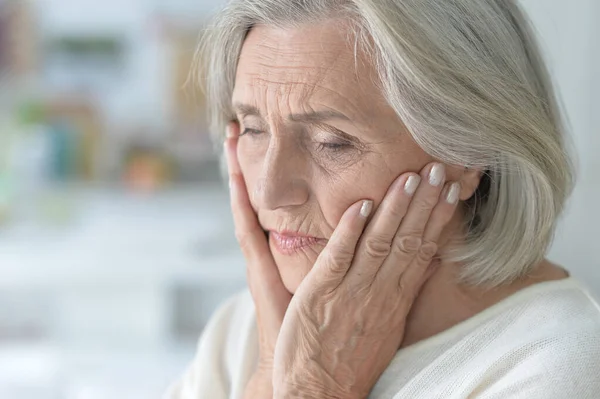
{"points": [[541, 343]]}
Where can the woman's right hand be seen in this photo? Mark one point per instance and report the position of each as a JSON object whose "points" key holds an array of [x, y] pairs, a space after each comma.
{"points": [[270, 296]]}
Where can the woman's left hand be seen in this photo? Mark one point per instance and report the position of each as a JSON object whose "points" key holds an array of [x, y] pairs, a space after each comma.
{"points": [[347, 318]]}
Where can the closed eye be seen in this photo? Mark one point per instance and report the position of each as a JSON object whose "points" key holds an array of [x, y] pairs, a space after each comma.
{"points": [[251, 132], [333, 146]]}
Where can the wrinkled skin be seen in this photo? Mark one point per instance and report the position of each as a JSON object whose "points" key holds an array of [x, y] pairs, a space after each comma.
{"points": [[301, 176], [331, 315]]}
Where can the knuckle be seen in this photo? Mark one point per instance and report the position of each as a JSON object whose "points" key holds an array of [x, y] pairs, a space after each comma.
{"points": [[377, 247], [245, 241], [397, 211], [339, 258], [402, 283], [427, 251], [335, 268], [426, 204], [241, 237], [336, 264], [408, 245], [408, 288]]}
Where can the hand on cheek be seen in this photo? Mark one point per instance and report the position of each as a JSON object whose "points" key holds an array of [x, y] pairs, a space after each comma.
{"points": [[347, 318], [268, 292]]}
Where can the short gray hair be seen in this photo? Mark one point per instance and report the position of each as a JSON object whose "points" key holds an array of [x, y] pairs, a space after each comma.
{"points": [[467, 79]]}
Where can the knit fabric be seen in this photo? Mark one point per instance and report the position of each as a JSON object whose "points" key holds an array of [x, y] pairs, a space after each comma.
{"points": [[541, 343]]}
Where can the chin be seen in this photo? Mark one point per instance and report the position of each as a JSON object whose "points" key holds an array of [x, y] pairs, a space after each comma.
{"points": [[293, 268]]}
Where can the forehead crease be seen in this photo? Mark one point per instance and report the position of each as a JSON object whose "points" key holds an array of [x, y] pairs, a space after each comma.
{"points": [[303, 92], [292, 55], [308, 66], [335, 79], [290, 43], [306, 75], [293, 51]]}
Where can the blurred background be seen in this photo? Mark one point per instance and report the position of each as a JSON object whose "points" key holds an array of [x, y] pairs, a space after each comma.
{"points": [[116, 241]]}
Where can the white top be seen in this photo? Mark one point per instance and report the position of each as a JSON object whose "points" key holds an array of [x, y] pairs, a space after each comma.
{"points": [[541, 343]]}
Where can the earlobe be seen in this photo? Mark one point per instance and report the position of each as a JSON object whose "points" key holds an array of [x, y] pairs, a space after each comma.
{"points": [[469, 182]]}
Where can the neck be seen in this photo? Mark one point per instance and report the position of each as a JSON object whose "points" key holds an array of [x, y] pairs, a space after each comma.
{"points": [[443, 303]]}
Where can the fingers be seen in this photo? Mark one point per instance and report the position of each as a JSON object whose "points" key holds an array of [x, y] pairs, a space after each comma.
{"points": [[442, 213], [384, 225], [248, 230], [376, 242], [412, 252], [335, 260], [269, 294], [232, 136], [421, 250], [425, 199], [401, 239]]}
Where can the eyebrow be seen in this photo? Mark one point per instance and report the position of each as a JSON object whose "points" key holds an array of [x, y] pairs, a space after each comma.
{"points": [[309, 117]]}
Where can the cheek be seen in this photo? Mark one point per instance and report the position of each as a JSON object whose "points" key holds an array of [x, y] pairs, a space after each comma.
{"points": [[365, 180], [368, 179]]}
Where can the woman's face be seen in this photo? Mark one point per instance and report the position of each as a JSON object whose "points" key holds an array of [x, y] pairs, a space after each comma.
{"points": [[317, 136]]}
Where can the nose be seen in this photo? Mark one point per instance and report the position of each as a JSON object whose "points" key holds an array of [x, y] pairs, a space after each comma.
{"points": [[282, 182]]}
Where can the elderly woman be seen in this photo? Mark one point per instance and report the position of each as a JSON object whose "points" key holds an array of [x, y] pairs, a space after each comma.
{"points": [[396, 169]]}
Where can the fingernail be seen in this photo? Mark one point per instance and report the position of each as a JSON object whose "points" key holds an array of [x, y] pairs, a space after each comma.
{"points": [[453, 192], [436, 175], [231, 186], [411, 184], [366, 208], [228, 133]]}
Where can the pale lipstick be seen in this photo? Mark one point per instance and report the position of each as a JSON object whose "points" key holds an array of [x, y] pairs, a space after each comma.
{"points": [[289, 243]]}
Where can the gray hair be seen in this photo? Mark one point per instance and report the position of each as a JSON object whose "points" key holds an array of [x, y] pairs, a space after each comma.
{"points": [[467, 79]]}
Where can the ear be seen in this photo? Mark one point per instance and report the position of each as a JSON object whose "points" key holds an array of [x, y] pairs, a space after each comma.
{"points": [[469, 181]]}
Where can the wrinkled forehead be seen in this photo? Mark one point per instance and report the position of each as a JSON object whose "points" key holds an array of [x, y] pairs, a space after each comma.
{"points": [[314, 63]]}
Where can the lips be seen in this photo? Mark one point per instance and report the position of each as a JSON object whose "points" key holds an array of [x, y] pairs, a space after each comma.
{"points": [[289, 243]]}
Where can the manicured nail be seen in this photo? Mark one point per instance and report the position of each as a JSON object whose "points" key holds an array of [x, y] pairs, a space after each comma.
{"points": [[411, 184], [366, 208], [228, 131], [453, 192], [436, 175]]}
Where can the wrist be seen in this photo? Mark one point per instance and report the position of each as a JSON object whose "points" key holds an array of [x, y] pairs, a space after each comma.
{"points": [[306, 391], [312, 381], [260, 386]]}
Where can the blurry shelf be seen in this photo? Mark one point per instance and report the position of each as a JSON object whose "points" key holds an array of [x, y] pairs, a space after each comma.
{"points": [[129, 270], [122, 238]]}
